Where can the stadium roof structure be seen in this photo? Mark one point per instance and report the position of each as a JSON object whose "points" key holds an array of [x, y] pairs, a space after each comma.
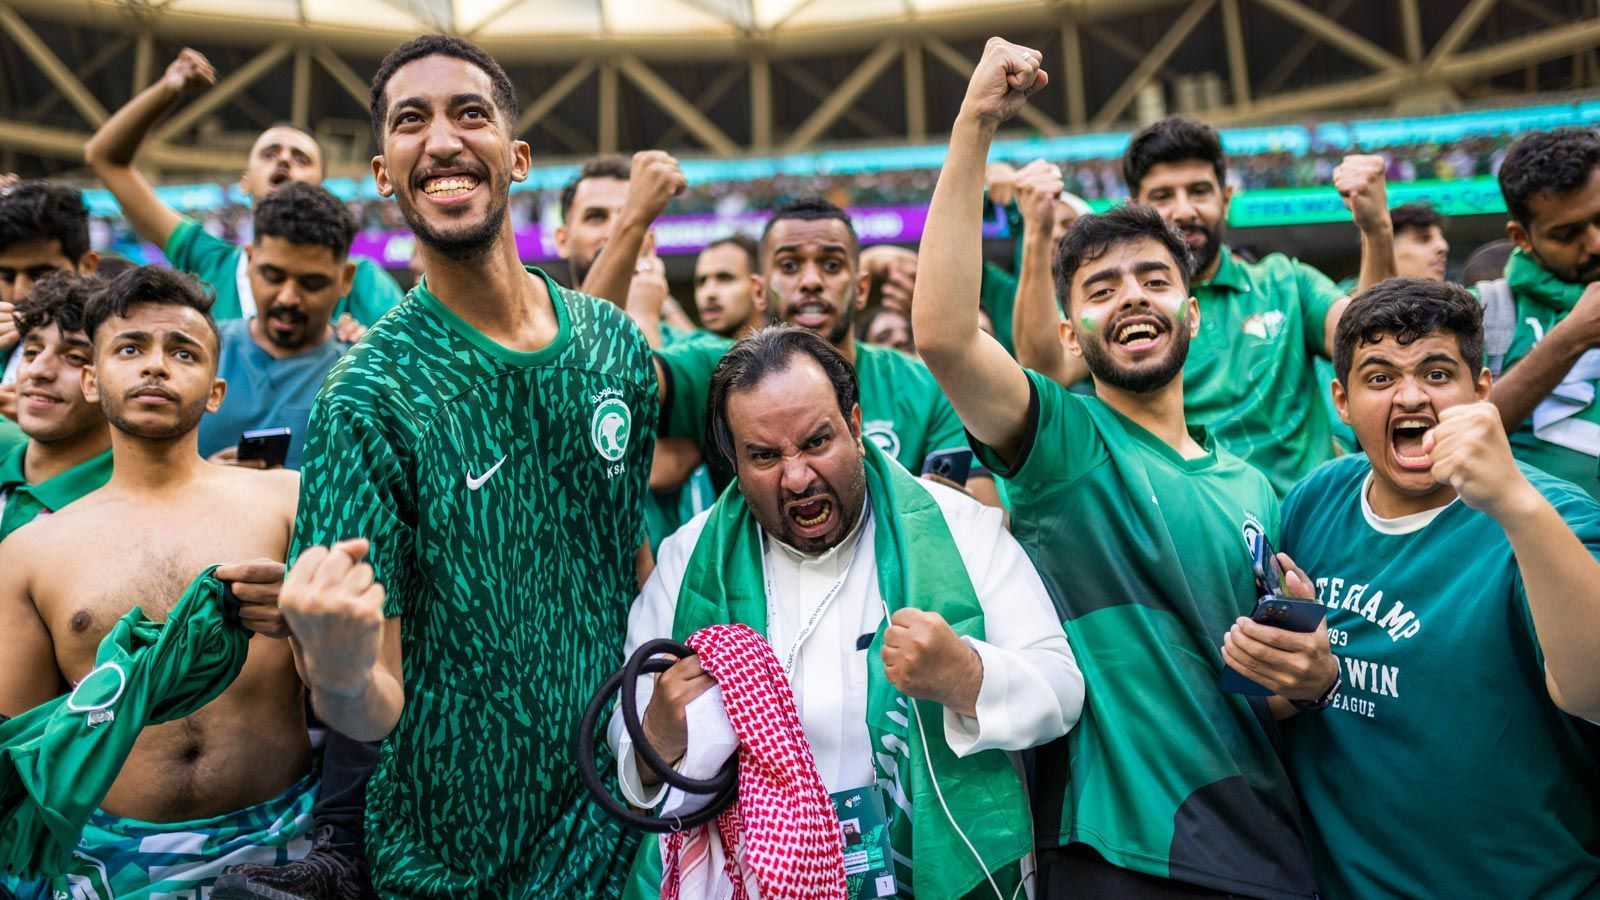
{"points": [[728, 78]]}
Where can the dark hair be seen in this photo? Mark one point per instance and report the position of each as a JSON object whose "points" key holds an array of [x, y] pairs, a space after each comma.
{"points": [[306, 214], [1172, 140], [810, 209], [40, 211], [1418, 217], [58, 299], [768, 352], [1488, 262], [1547, 163], [611, 166], [505, 96], [1092, 236], [157, 285], [1408, 309], [744, 242]]}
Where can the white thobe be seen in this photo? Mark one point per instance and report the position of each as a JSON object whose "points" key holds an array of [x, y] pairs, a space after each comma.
{"points": [[1031, 693]]}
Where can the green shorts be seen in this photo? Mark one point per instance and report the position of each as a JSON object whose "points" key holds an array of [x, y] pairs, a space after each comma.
{"points": [[125, 859]]}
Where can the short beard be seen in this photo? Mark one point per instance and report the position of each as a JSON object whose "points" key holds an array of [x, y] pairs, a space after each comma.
{"points": [[188, 420], [1206, 254], [1137, 379], [473, 244], [1570, 276], [847, 497]]}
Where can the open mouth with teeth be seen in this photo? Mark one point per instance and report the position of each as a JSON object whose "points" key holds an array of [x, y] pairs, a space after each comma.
{"points": [[448, 187], [1137, 333], [812, 516], [813, 314], [1406, 436]]}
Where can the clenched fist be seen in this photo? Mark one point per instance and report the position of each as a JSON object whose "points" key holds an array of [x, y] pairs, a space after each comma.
{"points": [[925, 659], [190, 73], [1360, 181], [1039, 185], [1470, 452], [665, 724], [1007, 75], [335, 613], [654, 180]]}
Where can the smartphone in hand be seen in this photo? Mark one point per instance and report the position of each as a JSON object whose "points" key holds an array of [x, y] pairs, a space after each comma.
{"points": [[270, 445], [1273, 609]]}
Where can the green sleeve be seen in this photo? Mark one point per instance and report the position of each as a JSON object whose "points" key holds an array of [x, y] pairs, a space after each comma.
{"points": [[192, 249], [997, 294], [353, 484], [1060, 442], [688, 366], [373, 292], [1318, 294]]}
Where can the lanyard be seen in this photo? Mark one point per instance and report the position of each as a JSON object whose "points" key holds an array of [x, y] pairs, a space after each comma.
{"points": [[812, 620]]}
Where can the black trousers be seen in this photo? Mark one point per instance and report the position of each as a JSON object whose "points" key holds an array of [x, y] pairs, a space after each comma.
{"points": [[341, 804], [1077, 872]]}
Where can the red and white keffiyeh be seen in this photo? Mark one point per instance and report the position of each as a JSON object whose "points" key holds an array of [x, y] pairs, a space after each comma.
{"points": [[782, 828]]}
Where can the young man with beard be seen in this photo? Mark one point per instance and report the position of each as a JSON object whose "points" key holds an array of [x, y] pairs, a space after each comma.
{"points": [[43, 229], [811, 278], [1546, 387], [491, 438], [727, 291], [1139, 525], [232, 781], [275, 361], [1453, 576], [281, 155], [932, 603]]}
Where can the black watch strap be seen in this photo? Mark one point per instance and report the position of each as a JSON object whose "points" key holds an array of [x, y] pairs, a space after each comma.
{"points": [[1321, 703]]}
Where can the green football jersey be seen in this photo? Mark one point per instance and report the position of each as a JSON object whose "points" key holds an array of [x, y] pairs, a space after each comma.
{"points": [[903, 410], [1442, 769], [221, 266], [1542, 300], [21, 502], [503, 493], [1249, 374], [1146, 556]]}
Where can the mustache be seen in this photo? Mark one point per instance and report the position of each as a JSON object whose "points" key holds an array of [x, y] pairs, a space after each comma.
{"points": [[476, 170], [152, 388]]}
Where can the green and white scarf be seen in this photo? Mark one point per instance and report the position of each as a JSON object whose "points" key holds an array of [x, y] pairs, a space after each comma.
{"points": [[1567, 416], [918, 565]]}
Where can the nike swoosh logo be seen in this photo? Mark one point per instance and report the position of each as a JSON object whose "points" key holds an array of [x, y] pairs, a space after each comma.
{"points": [[475, 483]]}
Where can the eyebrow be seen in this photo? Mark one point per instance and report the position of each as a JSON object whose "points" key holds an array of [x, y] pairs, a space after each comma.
{"points": [[826, 248], [1440, 358]]}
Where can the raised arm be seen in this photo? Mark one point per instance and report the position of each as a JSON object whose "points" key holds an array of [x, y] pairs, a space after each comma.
{"points": [[1036, 328], [654, 180], [986, 387], [110, 152], [1525, 385]]}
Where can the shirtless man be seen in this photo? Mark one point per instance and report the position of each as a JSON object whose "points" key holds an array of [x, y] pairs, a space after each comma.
{"points": [[243, 761]]}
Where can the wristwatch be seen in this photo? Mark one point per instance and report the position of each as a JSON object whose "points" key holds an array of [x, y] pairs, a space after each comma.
{"points": [[1321, 703]]}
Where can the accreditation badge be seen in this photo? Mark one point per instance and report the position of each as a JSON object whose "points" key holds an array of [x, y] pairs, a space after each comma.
{"points": [[868, 867]]}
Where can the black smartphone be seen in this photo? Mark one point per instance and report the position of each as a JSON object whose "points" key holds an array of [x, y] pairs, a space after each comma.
{"points": [[954, 464], [1280, 612], [270, 445]]}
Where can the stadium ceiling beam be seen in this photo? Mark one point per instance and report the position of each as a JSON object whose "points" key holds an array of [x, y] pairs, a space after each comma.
{"points": [[1125, 48], [609, 111], [240, 79], [1462, 28], [89, 67], [1302, 48], [1176, 34], [1072, 63], [342, 74], [819, 92], [664, 96], [957, 62], [705, 100], [1411, 30], [843, 97], [53, 68], [916, 83], [546, 102], [300, 87], [144, 60], [1335, 34], [1238, 63], [760, 102], [67, 145]]}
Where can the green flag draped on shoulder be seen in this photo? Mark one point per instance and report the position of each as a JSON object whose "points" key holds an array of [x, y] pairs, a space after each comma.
{"points": [[918, 566], [58, 760]]}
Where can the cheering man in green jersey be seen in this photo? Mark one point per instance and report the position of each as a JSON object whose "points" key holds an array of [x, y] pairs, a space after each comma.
{"points": [[283, 153], [232, 781], [1454, 576], [491, 438], [1545, 386], [811, 276], [1138, 525], [68, 451]]}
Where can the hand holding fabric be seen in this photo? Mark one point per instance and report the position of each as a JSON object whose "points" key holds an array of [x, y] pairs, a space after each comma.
{"points": [[664, 719], [335, 613], [257, 583]]}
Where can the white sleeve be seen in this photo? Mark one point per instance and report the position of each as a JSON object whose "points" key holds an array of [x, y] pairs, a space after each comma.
{"points": [[1032, 690]]}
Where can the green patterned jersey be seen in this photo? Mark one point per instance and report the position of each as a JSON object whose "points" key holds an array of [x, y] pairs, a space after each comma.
{"points": [[503, 494]]}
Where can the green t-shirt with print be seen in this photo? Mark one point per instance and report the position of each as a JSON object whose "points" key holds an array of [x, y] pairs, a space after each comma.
{"points": [[219, 264], [503, 495], [1146, 557], [1249, 377], [24, 502], [1542, 300], [1442, 769]]}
